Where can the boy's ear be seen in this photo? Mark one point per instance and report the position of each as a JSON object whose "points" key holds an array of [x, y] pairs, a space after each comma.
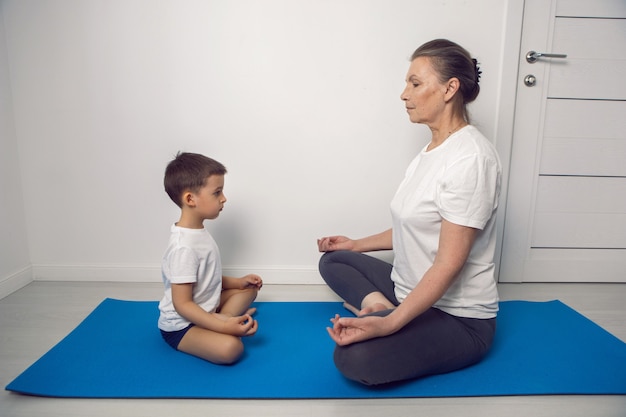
{"points": [[188, 199]]}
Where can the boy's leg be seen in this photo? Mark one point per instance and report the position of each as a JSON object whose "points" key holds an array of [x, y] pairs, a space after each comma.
{"points": [[237, 302], [219, 348]]}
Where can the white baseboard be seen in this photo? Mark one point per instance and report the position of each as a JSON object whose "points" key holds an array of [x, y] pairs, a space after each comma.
{"points": [[15, 281], [276, 274], [89, 273], [279, 274]]}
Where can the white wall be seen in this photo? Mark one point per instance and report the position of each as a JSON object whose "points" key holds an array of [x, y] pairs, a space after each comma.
{"points": [[15, 268], [299, 99]]}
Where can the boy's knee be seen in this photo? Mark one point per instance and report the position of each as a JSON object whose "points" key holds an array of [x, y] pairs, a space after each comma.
{"points": [[253, 292], [249, 290], [231, 351]]}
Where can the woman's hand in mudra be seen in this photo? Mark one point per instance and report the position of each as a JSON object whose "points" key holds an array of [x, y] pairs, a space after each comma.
{"points": [[348, 330]]}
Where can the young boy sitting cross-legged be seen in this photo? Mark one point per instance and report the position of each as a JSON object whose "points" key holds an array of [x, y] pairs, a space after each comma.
{"points": [[203, 313]]}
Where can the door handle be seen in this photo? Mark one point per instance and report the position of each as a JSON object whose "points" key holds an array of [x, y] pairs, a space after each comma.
{"points": [[532, 56]]}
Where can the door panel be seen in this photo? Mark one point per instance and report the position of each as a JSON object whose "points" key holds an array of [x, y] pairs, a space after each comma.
{"points": [[580, 212], [595, 59], [588, 80], [584, 156], [566, 203], [587, 8], [587, 38], [580, 265], [576, 144]]}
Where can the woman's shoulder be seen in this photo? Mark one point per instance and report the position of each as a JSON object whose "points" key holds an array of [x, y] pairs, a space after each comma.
{"points": [[472, 134], [472, 141], [470, 149]]}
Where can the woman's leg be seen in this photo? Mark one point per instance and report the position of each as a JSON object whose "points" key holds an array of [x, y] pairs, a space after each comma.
{"points": [[353, 276], [433, 343]]}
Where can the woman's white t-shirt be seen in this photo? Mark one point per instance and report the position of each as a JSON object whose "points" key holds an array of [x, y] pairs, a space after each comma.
{"points": [[192, 256], [458, 181]]}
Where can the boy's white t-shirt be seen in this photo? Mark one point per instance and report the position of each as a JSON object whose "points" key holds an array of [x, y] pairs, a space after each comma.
{"points": [[192, 256], [458, 181]]}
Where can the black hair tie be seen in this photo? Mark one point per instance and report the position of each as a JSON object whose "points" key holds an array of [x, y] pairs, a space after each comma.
{"points": [[477, 71]]}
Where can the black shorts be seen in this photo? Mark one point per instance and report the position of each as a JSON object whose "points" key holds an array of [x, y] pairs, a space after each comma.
{"points": [[173, 338]]}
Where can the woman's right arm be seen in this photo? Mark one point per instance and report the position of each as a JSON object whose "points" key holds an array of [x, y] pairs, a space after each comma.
{"points": [[380, 241]]}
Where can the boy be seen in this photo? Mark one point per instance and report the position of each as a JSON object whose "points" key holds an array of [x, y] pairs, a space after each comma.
{"points": [[203, 313]]}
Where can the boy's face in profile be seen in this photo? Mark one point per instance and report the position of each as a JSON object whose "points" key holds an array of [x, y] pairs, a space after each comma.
{"points": [[210, 199]]}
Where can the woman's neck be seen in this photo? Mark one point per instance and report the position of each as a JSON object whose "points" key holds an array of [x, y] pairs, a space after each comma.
{"points": [[442, 132]]}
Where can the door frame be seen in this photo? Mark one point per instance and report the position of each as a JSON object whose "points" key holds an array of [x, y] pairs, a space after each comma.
{"points": [[509, 82]]}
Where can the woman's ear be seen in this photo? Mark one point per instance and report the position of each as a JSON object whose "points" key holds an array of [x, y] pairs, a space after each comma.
{"points": [[452, 86]]}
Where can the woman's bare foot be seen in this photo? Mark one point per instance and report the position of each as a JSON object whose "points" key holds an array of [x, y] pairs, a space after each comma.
{"points": [[351, 308], [373, 308]]}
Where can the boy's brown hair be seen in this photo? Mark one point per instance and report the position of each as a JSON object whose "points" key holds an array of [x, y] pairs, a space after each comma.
{"points": [[189, 172]]}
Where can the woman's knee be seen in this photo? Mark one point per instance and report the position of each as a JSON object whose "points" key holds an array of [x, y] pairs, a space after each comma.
{"points": [[355, 362], [329, 260], [326, 259], [325, 263]]}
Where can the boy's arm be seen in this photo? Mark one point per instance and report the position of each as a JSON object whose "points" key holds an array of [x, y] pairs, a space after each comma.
{"points": [[182, 297], [248, 281]]}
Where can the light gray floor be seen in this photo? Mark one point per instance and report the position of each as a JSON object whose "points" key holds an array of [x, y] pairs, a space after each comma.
{"points": [[38, 316]]}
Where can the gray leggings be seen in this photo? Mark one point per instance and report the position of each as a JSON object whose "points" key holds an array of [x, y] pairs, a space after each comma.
{"points": [[433, 343]]}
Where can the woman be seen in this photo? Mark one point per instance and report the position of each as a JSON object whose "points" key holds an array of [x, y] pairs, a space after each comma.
{"points": [[434, 310]]}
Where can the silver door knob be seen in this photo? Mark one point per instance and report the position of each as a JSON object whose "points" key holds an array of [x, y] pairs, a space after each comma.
{"points": [[532, 56], [530, 80]]}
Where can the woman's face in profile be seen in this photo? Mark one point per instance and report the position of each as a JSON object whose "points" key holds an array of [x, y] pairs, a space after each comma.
{"points": [[424, 94]]}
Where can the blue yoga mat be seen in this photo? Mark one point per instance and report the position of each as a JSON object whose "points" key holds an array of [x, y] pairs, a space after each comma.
{"points": [[117, 352]]}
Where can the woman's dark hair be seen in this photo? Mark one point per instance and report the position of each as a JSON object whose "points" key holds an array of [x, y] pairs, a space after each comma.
{"points": [[451, 60], [189, 172]]}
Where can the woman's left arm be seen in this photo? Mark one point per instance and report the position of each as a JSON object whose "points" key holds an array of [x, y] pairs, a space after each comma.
{"points": [[455, 244]]}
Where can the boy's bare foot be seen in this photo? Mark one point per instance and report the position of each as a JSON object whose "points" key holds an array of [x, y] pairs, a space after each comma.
{"points": [[226, 316]]}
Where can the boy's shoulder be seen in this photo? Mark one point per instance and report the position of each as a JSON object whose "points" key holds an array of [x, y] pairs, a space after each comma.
{"points": [[195, 239]]}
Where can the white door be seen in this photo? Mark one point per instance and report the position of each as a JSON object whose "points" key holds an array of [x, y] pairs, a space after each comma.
{"points": [[566, 205]]}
